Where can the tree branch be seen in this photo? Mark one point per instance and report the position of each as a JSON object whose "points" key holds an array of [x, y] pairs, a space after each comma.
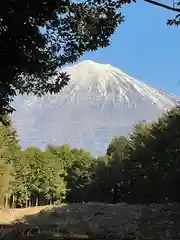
{"points": [[163, 5]]}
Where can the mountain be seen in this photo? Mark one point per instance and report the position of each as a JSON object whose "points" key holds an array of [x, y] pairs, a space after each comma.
{"points": [[100, 102]]}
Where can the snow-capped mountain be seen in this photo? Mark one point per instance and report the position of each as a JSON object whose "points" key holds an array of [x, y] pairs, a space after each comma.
{"points": [[100, 102]]}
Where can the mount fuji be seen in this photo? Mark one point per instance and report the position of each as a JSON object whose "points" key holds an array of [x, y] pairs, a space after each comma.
{"points": [[99, 102]]}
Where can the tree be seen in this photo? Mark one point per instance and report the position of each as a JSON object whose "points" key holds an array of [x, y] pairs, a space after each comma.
{"points": [[20, 194], [101, 179], [149, 172], [79, 175], [5, 183], [54, 185], [174, 7], [63, 153], [154, 159], [118, 148], [38, 37], [8, 150]]}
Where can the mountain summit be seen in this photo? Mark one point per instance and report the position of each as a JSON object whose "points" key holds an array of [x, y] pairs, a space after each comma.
{"points": [[99, 102]]}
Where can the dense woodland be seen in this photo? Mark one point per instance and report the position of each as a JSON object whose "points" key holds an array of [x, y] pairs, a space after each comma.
{"points": [[141, 168]]}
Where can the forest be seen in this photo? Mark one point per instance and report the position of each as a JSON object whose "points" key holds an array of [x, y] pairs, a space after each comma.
{"points": [[143, 167]]}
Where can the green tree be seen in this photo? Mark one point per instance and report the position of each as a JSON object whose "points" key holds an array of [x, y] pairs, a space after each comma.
{"points": [[118, 148], [20, 196], [8, 149], [154, 155], [5, 183], [38, 37], [63, 153], [79, 175], [54, 184], [101, 179]]}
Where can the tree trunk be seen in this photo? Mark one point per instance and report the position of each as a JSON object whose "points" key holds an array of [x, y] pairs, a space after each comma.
{"points": [[37, 202], [13, 201], [30, 201], [6, 201]]}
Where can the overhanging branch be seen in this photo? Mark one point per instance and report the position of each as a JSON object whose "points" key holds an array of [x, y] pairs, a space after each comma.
{"points": [[163, 5]]}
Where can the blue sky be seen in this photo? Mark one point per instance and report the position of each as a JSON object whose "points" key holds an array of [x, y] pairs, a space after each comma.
{"points": [[145, 47]]}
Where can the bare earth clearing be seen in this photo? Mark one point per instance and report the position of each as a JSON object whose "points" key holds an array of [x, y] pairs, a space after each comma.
{"points": [[97, 220], [8, 216]]}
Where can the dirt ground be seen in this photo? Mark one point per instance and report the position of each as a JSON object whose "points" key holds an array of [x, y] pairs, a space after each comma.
{"points": [[80, 218], [96, 219], [8, 216]]}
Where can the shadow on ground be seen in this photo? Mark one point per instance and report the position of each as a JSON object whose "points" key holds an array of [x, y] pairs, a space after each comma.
{"points": [[98, 221], [75, 221]]}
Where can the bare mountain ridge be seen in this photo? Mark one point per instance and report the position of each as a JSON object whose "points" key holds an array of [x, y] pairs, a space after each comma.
{"points": [[100, 102]]}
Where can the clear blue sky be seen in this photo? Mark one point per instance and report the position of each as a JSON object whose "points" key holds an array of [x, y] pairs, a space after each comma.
{"points": [[145, 47]]}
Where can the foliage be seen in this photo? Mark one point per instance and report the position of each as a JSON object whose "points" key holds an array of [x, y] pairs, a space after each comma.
{"points": [[38, 37], [174, 7], [102, 180], [118, 147], [79, 175], [151, 171], [142, 168], [5, 182]]}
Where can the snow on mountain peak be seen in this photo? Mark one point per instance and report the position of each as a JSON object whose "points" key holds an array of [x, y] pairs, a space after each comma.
{"points": [[110, 82], [82, 72], [99, 102]]}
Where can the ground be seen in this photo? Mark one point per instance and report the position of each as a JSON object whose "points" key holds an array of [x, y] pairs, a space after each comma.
{"points": [[96, 219], [8, 216]]}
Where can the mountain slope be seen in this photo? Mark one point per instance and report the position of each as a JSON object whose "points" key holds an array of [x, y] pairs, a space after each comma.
{"points": [[100, 102]]}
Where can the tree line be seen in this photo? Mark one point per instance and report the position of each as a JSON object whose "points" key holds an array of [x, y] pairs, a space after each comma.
{"points": [[143, 167]]}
